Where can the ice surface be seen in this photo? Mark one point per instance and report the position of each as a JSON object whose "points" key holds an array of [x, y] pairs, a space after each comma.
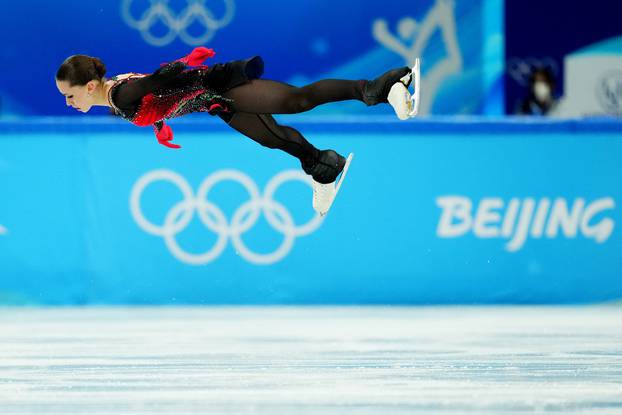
{"points": [[309, 360]]}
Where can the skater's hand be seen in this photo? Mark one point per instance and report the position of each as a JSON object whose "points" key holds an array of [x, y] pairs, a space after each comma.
{"points": [[165, 136]]}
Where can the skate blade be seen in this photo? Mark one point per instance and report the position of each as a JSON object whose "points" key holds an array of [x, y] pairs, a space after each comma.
{"points": [[341, 178], [415, 98]]}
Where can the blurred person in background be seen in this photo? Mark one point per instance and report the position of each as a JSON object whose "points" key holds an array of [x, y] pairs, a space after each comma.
{"points": [[541, 98]]}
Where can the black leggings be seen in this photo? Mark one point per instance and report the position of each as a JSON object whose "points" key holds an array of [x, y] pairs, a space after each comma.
{"points": [[255, 101]]}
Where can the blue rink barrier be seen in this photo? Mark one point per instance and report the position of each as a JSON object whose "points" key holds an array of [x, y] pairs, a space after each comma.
{"points": [[436, 211]]}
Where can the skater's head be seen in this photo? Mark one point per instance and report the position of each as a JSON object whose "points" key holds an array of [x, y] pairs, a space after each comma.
{"points": [[79, 78]]}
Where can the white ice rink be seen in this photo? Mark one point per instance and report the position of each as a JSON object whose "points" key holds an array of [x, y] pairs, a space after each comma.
{"points": [[311, 360]]}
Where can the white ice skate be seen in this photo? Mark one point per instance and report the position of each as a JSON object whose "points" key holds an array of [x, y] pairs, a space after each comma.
{"points": [[406, 105], [324, 194]]}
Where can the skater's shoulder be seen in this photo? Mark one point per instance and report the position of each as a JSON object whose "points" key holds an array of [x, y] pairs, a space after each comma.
{"points": [[125, 76]]}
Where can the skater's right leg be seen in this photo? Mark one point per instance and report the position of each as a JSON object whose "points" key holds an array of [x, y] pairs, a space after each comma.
{"points": [[324, 166], [262, 96]]}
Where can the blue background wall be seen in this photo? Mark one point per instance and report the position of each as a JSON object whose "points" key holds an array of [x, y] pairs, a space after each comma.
{"points": [[72, 237], [300, 42], [69, 234]]}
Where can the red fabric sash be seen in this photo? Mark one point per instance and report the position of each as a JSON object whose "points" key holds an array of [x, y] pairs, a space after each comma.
{"points": [[153, 110]]}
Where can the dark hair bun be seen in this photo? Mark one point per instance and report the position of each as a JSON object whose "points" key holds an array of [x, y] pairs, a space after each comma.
{"points": [[100, 68], [80, 69]]}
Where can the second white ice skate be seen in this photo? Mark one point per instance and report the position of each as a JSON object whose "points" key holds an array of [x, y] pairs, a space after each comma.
{"points": [[405, 104], [324, 194]]}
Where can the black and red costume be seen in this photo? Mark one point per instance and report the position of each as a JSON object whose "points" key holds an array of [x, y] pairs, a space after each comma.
{"points": [[235, 92], [173, 91]]}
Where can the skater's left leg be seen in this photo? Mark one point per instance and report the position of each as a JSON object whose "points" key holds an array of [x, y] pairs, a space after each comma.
{"points": [[323, 166]]}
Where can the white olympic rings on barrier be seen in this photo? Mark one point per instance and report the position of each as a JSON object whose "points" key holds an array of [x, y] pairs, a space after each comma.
{"points": [[243, 219]]}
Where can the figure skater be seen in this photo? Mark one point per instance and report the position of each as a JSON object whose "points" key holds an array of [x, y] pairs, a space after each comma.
{"points": [[234, 92]]}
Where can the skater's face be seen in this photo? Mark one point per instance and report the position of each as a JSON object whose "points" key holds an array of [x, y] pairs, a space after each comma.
{"points": [[79, 97]]}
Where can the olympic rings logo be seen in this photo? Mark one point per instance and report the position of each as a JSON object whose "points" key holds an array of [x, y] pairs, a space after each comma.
{"points": [[178, 24], [212, 217]]}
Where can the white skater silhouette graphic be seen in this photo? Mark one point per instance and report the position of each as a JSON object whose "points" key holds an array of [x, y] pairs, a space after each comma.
{"points": [[412, 38]]}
